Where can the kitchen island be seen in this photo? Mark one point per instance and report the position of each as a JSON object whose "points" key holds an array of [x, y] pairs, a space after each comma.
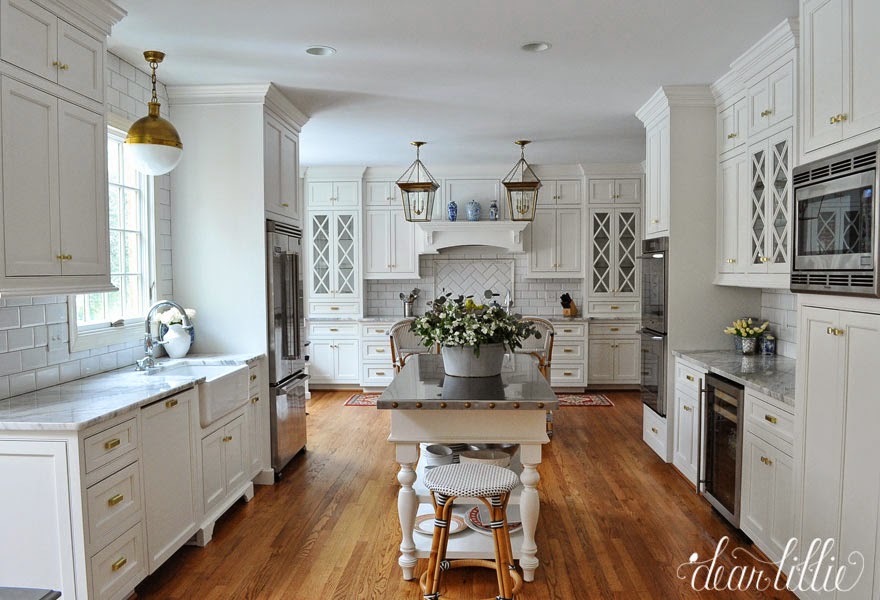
{"points": [[429, 407]]}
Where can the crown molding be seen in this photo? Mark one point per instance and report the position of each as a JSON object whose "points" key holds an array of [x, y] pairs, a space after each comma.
{"points": [[781, 40], [265, 94], [97, 15], [350, 172], [729, 86], [598, 170], [674, 96]]}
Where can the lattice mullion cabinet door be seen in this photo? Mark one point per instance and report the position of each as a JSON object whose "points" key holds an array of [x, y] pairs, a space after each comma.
{"points": [[779, 203], [626, 250], [601, 242], [321, 255], [346, 237], [756, 231]]}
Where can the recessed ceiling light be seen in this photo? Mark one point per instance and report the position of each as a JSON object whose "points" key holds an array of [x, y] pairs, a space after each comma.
{"points": [[320, 50], [536, 46]]}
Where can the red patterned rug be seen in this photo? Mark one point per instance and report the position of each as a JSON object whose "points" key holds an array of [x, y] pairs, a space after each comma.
{"points": [[565, 399]]}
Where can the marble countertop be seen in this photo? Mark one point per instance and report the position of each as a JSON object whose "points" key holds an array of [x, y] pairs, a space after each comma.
{"points": [[770, 374], [85, 402], [422, 384]]}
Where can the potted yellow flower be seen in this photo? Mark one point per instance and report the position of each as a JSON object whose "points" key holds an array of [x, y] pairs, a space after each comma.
{"points": [[748, 332]]}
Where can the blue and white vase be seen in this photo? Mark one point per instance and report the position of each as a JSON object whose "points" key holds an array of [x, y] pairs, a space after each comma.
{"points": [[493, 211], [473, 210], [452, 210]]}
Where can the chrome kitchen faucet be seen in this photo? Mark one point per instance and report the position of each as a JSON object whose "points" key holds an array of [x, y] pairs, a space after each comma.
{"points": [[148, 362]]}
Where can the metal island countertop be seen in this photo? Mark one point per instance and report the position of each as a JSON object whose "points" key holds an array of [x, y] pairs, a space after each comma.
{"points": [[422, 384]]}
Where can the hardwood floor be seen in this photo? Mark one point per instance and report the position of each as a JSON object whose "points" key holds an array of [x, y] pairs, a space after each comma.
{"points": [[616, 522]]}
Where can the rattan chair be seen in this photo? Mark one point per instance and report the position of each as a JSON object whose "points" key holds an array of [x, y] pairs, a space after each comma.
{"points": [[404, 343], [541, 348]]}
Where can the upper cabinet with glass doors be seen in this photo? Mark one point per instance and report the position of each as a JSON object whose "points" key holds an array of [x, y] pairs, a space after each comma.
{"points": [[334, 255], [614, 248]]}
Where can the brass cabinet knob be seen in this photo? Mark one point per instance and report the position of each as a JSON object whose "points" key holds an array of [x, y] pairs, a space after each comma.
{"points": [[614, 329], [730, 136], [654, 430], [765, 259], [655, 221], [689, 377], [255, 399], [841, 118], [766, 113], [832, 120], [731, 261], [227, 438], [687, 408], [766, 461], [285, 205], [253, 377]]}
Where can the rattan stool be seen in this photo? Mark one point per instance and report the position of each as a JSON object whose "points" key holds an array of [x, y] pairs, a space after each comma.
{"points": [[490, 484]]}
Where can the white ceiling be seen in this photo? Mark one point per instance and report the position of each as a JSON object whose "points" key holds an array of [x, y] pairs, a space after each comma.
{"points": [[451, 72]]}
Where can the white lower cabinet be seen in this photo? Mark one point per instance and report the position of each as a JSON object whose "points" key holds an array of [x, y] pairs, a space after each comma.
{"points": [[613, 355], [688, 432], [334, 352], [224, 462], [568, 368], [170, 474], [767, 495], [376, 367]]}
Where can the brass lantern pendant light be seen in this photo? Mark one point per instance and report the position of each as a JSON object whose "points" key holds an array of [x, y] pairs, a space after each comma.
{"points": [[417, 189], [522, 188], [153, 143]]}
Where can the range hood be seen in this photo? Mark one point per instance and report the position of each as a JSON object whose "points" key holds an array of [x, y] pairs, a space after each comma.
{"points": [[507, 235]]}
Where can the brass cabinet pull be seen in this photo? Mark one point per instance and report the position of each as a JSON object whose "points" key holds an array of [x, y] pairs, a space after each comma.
{"points": [[654, 430], [285, 205], [770, 419], [567, 373], [64, 66], [765, 259], [64, 256], [614, 329], [227, 438], [731, 261], [380, 350], [379, 330], [689, 377], [566, 331], [255, 399], [380, 373], [171, 403], [834, 331], [614, 307], [730, 136], [766, 461], [334, 329], [655, 221], [110, 444], [115, 500], [687, 408], [334, 308], [567, 350], [253, 377], [56, 63], [832, 120], [118, 564], [766, 113]]}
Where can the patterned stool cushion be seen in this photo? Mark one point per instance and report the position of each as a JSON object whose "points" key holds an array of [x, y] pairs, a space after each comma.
{"points": [[472, 480]]}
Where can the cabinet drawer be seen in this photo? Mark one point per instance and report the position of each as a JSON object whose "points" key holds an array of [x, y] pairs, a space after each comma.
{"points": [[654, 431], [687, 379], [334, 308], [377, 375], [114, 504], [613, 329], [375, 331], [376, 350], [565, 375], [614, 308], [568, 330], [103, 447], [766, 417], [568, 350], [333, 330], [119, 566], [254, 380]]}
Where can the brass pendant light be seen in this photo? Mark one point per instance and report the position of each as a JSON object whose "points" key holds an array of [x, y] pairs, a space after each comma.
{"points": [[152, 143], [522, 187], [417, 189]]}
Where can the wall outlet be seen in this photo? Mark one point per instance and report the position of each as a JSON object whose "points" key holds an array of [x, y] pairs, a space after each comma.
{"points": [[56, 341]]}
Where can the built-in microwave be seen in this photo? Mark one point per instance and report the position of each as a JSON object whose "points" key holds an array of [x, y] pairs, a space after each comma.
{"points": [[836, 243]]}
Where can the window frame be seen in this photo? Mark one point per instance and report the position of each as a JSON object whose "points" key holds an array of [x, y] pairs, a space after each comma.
{"points": [[93, 337]]}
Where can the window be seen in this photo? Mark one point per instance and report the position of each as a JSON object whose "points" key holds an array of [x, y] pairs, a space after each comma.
{"points": [[115, 317]]}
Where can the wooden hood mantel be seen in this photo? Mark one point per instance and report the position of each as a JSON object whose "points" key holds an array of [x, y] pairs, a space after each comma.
{"points": [[507, 235]]}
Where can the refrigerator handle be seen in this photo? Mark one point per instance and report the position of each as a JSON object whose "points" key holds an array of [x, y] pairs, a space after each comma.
{"points": [[700, 426], [289, 309]]}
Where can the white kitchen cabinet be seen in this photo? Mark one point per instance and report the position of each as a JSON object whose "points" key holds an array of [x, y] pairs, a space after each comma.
{"points": [[334, 255], [657, 184], [841, 82], [614, 248], [733, 126], [258, 422], [601, 360], [281, 169], [560, 192], [556, 242], [334, 360], [615, 191], [389, 245], [333, 194], [733, 198], [54, 193], [382, 194], [613, 355], [767, 495], [170, 466], [687, 436], [768, 235], [771, 100], [224, 462], [37, 41], [839, 476], [376, 368], [570, 366]]}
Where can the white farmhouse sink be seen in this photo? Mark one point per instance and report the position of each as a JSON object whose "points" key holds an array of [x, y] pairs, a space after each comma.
{"points": [[225, 388]]}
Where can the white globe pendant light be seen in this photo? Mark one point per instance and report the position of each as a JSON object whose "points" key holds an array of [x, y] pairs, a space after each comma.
{"points": [[153, 144]]}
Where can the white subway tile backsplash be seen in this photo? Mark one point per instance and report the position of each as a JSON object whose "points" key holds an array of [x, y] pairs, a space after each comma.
{"points": [[10, 363], [90, 366], [56, 313], [22, 383], [19, 301], [20, 339], [41, 336], [33, 358], [33, 315], [780, 308], [3, 343], [69, 371], [10, 318], [107, 361], [47, 377], [4, 387]]}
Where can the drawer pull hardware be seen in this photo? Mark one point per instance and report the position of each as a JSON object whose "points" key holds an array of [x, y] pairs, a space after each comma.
{"points": [[334, 308], [118, 564], [285, 205], [255, 399], [766, 113], [731, 261], [765, 259], [689, 377], [687, 408], [380, 350], [766, 461], [834, 331], [110, 444], [837, 119], [171, 403], [654, 430], [253, 377], [227, 438], [655, 221], [566, 331], [380, 373], [115, 500], [730, 136], [567, 350], [334, 329], [64, 257], [567, 373], [770, 418], [614, 329], [614, 307]]}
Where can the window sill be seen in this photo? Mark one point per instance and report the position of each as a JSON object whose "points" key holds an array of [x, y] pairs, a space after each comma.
{"points": [[108, 336]]}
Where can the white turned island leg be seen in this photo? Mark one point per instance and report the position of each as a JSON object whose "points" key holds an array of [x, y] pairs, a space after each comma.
{"points": [[529, 508], [407, 506]]}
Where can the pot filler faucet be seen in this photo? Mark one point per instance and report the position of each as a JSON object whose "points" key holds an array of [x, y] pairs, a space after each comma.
{"points": [[148, 362]]}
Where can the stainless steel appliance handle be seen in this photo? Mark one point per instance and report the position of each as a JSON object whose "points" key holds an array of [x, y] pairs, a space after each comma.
{"points": [[289, 309], [700, 434], [297, 381]]}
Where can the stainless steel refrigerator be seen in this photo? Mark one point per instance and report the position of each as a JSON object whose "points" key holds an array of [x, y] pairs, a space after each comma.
{"points": [[287, 379]]}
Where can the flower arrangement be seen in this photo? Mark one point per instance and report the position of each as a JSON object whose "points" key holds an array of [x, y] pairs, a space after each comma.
{"points": [[745, 328], [459, 321], [172, 316]]}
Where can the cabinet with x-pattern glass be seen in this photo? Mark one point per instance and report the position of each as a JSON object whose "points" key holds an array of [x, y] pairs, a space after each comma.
{"points": [[614, 246], [334, 256], [769, 230]]}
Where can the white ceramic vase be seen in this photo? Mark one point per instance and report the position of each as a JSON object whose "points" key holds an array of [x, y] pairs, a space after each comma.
{"points": [[463, 362], [176, 341]]}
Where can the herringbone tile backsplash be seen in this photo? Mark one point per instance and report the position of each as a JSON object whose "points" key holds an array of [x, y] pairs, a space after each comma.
{"points": [[471, 270]]}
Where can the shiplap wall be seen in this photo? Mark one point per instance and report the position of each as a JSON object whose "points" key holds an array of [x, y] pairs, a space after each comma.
{"points": [[26, 323]]}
